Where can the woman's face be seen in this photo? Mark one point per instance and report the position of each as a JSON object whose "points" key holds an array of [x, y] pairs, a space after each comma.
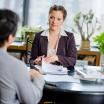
{"points": [[55, 20]]}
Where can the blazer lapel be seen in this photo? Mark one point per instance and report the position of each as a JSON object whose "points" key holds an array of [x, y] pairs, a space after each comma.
{"points": [[44, 44], [61, 46]]}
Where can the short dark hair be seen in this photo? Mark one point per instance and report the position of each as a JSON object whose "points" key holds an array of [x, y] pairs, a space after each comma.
{"points": [[58, 8], [8, 24]]}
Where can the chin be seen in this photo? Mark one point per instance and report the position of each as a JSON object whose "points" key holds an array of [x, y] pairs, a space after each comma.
{"points": [[54, 29]]}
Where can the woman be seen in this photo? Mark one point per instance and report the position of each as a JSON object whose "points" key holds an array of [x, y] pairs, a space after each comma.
{"points": [[56, 45], [17, 84]]}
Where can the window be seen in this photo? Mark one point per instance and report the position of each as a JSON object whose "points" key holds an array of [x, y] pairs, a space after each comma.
{"points": [[38, 12], [15, 5]]}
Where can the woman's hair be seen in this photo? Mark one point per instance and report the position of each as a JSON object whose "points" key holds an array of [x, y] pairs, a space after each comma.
{"points": [[58, 8], [8, 24]]}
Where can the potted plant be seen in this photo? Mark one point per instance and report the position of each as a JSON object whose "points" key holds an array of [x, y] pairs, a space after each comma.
{"points": [[29, 32], [99, 40], [85, 25]]}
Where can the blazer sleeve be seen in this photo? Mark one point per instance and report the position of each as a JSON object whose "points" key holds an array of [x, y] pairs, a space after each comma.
{"points": [[71, 53]]}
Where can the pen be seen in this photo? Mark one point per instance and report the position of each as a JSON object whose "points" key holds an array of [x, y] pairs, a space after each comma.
{"points": [[51, 84]]}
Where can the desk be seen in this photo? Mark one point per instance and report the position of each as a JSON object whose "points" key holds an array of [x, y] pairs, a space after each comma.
{"points": [[19, 47], [74, 93], [92, 56]]}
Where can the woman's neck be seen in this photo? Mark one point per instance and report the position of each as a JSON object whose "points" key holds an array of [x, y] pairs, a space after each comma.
{"points": [[51, 32]]}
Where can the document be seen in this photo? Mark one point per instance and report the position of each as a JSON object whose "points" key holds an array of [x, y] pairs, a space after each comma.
{"points": [[62, 78], [90, 72], [51, 69]]}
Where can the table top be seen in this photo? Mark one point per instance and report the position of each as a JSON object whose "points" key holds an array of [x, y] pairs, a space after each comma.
{"points": [[74, 93], [83, 92], [83, 87]]}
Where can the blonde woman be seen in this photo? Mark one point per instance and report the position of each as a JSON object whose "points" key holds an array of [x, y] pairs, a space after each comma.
{"points": [[55, 44]]}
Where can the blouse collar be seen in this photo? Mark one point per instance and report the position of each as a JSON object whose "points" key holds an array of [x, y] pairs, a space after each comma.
{"points": [[46, 32]]}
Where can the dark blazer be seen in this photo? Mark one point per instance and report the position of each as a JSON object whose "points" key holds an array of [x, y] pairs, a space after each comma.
{"points": [[66, 50]]}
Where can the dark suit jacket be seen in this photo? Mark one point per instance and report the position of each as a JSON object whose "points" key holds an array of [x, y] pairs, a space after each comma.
{"points": [[66, 50]]}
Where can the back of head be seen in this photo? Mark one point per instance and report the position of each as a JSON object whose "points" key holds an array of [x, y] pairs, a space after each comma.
{"points": [[8, 24]]}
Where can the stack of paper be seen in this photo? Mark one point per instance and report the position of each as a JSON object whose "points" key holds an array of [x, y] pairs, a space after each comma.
{"points": [[90, 73], [51, 69], [58, 78]]}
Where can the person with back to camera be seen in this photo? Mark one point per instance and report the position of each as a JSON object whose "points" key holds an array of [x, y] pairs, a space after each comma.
{"points": [[17, 84], [54, 44]]}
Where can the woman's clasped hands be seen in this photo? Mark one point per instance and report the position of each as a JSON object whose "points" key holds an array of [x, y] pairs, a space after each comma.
{"points": [[47, 59]]}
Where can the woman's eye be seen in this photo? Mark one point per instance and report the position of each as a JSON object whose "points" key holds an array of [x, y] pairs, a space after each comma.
{"points": [[51, 17], [58, 19]]}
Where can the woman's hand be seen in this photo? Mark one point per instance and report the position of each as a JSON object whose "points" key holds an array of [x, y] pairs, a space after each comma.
{"points": [[51, 58], [38, 60]]}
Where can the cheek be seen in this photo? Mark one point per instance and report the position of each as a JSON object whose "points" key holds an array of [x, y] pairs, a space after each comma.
{"points": [[60, 23], [51, 20]]}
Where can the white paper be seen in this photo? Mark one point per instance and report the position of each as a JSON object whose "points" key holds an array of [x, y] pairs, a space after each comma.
{"points": [[90, 72], [51, 69], [62, 78]]}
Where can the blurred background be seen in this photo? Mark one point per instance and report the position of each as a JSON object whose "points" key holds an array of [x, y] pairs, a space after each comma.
{"points": [[35, 12]]}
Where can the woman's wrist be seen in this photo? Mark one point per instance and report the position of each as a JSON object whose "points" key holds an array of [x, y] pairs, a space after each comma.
{"points": [[57, 59]]}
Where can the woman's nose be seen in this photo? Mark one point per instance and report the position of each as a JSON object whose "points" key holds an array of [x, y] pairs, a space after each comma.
{"points": [[55, 21]]}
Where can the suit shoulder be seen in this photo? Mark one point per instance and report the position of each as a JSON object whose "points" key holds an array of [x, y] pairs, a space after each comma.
{"points": [[39, 33], [69, 34]]}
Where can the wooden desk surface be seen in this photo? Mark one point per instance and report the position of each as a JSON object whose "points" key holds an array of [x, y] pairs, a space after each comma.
{"points": [[21, 47], [18, 46], [93, 53]]}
